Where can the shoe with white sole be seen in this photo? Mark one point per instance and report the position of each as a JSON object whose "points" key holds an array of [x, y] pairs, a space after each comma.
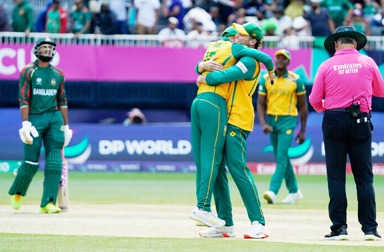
{"points": [[206, 218], [200, 224], [293, 197], [270, 197], [219, 232], [257, 231], [338, 235], [372, 236]]}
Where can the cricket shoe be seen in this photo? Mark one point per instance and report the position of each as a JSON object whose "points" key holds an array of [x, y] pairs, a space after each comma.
{"points": [[206, 218], [338, 235], [50, 208], [372, 236], [219, 232], [270, 197], [257, 231], [16, 201], [200, 224], [293, 197]]}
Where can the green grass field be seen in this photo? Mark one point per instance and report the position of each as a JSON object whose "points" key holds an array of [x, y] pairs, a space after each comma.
{"points": [[170, 189]]}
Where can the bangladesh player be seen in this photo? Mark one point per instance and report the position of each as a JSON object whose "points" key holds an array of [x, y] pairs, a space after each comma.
{"points": [[44, 113], [209, 125], [244, 75]]}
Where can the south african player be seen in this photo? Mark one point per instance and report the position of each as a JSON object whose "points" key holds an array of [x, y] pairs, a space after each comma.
{"points": [[44, 112], [244, 75], [209, 126]]}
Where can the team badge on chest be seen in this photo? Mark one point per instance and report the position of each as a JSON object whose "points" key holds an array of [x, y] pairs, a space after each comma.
{"points": [[53, 82]]}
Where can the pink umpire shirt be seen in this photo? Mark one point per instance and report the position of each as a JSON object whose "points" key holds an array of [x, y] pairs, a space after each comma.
{"points": [[345, 78]]}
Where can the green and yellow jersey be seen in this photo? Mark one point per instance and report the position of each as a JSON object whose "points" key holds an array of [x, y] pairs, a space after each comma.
{"points": [[282, 95], [228, 54], [41, 88], [244, 77]]}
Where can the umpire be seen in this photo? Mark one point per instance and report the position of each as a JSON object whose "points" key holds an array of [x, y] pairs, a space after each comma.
{"points": [[347, 82]]}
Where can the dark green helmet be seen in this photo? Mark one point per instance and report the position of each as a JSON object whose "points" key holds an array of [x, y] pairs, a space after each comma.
{"points": [[44, 53]]}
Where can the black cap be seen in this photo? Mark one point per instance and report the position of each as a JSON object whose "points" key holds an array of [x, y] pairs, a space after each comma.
{"points": [[345, 32]]}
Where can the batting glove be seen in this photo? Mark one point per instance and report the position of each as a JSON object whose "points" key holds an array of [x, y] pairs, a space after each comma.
{"points": [[26, 131], [67, 135]]}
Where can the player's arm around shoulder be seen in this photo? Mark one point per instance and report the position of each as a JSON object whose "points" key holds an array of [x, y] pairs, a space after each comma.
{"points": [[239, 50], [244, 69]]}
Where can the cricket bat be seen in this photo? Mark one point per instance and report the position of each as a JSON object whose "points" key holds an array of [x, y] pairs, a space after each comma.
{"points": [[63, 197]]}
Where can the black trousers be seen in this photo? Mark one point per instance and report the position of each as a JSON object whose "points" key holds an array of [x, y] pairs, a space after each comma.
{"points": [[344, 135]]}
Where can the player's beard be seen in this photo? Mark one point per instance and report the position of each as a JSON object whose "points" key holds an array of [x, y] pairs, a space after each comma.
{"points": [[45, 58]]}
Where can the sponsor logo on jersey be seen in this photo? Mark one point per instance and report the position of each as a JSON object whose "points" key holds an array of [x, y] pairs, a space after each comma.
{"points": [[242, 67], [39, 81], [53, 82], [44, 92]]}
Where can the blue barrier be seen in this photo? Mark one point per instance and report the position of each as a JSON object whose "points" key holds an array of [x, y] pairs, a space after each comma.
{"points": [[167, 147]]}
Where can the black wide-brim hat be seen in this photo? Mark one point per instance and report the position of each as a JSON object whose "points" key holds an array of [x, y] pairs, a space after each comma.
{"points": [[345, 32]]}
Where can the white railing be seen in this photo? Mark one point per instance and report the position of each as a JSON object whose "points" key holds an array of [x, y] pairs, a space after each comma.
{"points": [[128, 40], [374, 42]]}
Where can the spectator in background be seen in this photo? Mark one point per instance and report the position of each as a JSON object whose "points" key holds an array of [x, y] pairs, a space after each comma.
{"points": [[176, 9], [289, 39], [57, 18], [269, 27], [147, 16], [119, 7], [135, 116], [41, 20], [252, 7], [22, 17], [225, 9], [206, 5], [214, 12], [4, 24], [317, 17], [106, 19], [371, 8], [340, 10], [280, 19], [237, 17], [198, 14], [359, 23], [94, 8], [81, 19], [171, 36], [198, 37], [300, 26], [295, 8]]}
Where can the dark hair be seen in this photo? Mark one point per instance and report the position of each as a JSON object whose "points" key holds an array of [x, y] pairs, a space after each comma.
{"points": [[346, 40], [137, 119]]}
